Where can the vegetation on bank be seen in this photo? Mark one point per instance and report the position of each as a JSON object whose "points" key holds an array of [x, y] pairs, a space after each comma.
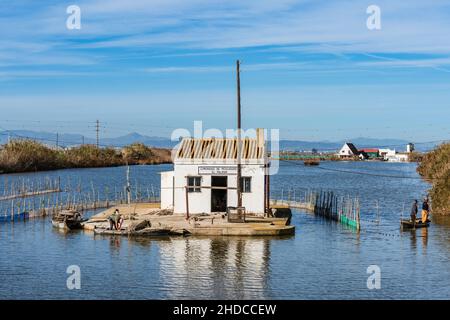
{"points": [[435, 168], [29, 155]]}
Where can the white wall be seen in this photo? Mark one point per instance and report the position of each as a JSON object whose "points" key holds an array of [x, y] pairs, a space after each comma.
{"points": [[399, 158], [254, 201], [167, 190], [200, 202]]}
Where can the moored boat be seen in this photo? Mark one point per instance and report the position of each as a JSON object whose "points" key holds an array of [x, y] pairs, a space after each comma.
{"points": [[68, 220], [311, 162], [408, 224]]}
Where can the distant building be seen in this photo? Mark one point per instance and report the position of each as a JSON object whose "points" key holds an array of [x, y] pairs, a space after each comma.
{"points": [[410, 147], [386, 153], [399, 157], [370, 153], [204, 178], [348, 150]]}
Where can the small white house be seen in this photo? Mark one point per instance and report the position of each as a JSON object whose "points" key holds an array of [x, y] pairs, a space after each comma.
{"points": [[348, 150], [399, 157], [204, 178], [387, 153]]}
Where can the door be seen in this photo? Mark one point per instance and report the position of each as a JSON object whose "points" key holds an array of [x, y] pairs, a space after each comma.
{"points": [[219, 193]]}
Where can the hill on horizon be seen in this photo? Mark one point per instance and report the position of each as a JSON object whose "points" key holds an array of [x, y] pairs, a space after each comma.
{"points": [[73, 139]]}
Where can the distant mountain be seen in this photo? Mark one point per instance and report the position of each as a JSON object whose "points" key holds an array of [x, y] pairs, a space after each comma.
{"points": [[45, 137], [136, 137], [298, 145], [67, 139], [161, 142]]}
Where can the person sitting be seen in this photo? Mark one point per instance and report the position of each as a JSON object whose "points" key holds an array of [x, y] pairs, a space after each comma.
{"points": [[414, 210], [425, 210]]}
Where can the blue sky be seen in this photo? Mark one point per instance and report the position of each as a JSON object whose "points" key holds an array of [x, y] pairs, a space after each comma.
{"points": [[310, 68]]}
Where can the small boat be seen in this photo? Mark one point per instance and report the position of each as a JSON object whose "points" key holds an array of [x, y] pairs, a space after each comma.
{"points": [[408, 224], [311, 162], [68, 220]]}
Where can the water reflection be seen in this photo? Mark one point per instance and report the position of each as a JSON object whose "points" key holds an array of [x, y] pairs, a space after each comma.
{"points": [[413, 241], [114, 243], [424, 232], [216, 267]]}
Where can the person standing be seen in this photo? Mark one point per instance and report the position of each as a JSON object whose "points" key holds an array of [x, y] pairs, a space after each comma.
{"points": [[414, 210], [425, 210]]}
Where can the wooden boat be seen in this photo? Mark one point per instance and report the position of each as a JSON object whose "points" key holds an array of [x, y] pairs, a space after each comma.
{"points": [[408, 224], [146, 232], [311, 162], [68, 220]]}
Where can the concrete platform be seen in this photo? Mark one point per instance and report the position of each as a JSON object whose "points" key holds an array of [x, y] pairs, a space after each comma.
{"points": [[198, 225]]}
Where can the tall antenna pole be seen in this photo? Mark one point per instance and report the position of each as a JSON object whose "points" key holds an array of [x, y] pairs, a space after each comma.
{"points": [[97, 129], [239, 169]]}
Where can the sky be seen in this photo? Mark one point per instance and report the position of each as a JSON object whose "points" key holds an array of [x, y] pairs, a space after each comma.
{"points": [[310, 68]]}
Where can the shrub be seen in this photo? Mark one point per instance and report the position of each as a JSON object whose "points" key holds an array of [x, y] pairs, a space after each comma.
{"points": [[435, 168], [29, 155]]}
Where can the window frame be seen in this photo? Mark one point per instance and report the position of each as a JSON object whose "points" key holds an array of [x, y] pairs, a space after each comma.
{"points": [[249, 185], [194, 188]]}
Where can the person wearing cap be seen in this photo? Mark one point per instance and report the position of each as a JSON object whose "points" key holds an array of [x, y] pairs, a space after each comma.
{"points": [[425, 210]]}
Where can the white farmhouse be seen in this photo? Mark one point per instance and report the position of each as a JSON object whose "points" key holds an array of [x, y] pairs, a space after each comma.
{"points": [[348, 150], [204, 178]]}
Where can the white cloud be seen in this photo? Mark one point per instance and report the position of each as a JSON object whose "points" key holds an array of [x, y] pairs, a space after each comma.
{"points": [[319, 26]]}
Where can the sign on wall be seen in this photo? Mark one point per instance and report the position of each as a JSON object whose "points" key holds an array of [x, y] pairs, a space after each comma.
{"points": [[217, 170]]}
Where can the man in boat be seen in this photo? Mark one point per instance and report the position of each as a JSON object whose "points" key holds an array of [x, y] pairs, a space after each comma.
{"points": [[425, 210], [414, 210], [114, 220]]}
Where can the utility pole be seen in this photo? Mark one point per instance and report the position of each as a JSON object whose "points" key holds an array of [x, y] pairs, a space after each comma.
{"points": [[57, 140], [82, 140], [128, 187], [239, 169], [97, 129]]}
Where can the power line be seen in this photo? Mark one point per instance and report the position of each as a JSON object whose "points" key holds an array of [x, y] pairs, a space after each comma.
{"points": [[10, 133]]}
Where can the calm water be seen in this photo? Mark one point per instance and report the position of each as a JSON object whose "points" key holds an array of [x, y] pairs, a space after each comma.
{"points": [[324, 260]]}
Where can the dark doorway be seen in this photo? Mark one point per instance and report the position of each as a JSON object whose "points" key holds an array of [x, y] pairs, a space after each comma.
{"points": [[218, 196]]}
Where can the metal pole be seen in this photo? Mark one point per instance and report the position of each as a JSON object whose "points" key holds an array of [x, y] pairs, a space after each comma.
{"points": [[187, 202], [239, 169], [97, 129]]}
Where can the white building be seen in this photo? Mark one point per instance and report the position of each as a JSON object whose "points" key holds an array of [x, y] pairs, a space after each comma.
{"points": [[204, 178], [394, 156], [410, 147], [348, 150], [399, 157], [387, 153]]}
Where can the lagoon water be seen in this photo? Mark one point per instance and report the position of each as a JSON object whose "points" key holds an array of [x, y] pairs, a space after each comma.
{"points": [[323, 260]]}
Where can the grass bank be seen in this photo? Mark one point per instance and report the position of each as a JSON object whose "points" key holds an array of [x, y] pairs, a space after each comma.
{"points": [[435, 168], [28, 155]]}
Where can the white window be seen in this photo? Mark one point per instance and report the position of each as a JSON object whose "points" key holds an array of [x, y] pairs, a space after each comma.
{"points": [[194, 184], [246, 184]]}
